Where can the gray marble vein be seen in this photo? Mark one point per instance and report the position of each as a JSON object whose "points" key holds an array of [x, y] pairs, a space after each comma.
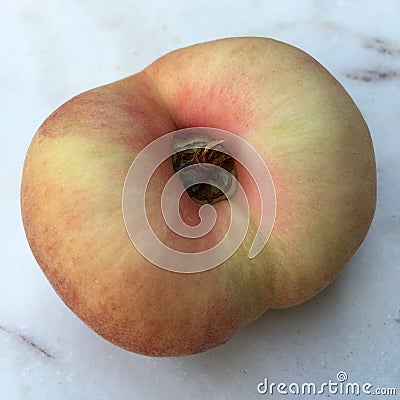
{"points": [[26, 340]]}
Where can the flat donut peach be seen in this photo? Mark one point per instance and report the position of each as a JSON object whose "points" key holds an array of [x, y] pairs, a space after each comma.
{"points": [[302, 123]]}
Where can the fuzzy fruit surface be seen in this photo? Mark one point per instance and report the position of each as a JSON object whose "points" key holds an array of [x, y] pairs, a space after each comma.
{"points": [[286, 105]]}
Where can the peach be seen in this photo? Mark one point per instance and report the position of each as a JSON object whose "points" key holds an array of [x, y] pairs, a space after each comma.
{"points": [[286, 105]]}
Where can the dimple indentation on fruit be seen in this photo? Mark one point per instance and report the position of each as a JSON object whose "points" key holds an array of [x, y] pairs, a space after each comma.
{"points": [[204, 152]]}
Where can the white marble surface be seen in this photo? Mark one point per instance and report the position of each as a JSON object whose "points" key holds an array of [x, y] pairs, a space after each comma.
{"points": [[51, 50]]}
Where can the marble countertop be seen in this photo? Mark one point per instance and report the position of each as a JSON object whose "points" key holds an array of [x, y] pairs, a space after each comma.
{"points": [[52, 50]]}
